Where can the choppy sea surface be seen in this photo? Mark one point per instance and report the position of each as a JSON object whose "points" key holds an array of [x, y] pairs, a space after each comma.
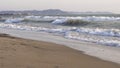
{"points": [[104, 30]]}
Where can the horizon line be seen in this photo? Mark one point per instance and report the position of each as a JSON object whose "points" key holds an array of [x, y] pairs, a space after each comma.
{"points": [[54, 9]]}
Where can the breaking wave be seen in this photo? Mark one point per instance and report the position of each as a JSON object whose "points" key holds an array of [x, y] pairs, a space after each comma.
{"points": [[57, 19], [14, 20], [102, 32], [108, 37]]}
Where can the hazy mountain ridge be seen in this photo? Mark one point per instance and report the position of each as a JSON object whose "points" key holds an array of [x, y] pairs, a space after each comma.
{"points": [[49, 12]]}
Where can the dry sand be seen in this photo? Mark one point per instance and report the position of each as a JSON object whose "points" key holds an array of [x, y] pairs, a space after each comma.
{"points": [[23, 53]]}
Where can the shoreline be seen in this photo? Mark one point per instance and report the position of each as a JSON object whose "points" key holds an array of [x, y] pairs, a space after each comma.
{"points": [[18, 53], [99, 51]]}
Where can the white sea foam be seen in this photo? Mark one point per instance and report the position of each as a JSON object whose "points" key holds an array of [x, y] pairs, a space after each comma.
{"points": [[21, 27], [59, 21], [98, 31], [14, 20], [37, 18], [101, 18], [94, 39], [108, 37], [88, 18]]}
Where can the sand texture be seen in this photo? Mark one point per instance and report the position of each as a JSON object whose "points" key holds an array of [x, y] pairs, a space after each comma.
{"points": [[23, 53]]}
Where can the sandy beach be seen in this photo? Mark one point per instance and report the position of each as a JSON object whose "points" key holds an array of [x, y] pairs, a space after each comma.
{"points": [[24, 53], [59, 34]]}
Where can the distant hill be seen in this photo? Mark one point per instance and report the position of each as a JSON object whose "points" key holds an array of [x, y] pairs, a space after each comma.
{"points": [[50, 12], [53, 11], [92, 12]]}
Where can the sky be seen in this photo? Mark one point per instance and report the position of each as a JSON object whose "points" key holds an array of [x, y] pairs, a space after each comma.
{"points": [[66, 5]]}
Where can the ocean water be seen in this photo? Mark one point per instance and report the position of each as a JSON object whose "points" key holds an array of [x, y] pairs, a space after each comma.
{"points": [[104, 30]]}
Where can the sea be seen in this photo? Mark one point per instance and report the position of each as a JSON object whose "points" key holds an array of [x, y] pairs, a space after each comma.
{"points": [[104, 30]]}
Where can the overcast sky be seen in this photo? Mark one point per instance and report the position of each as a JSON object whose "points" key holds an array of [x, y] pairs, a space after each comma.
{"points": [[67, 5]]}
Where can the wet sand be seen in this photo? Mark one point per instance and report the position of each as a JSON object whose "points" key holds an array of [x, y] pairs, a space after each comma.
{"points": [[24, 53]]}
